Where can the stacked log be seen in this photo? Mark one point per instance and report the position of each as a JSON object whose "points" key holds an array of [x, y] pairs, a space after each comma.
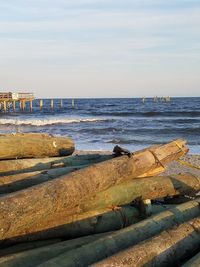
{"points": [[23, 212], [130, 236], [179, 243], [47, 201]]}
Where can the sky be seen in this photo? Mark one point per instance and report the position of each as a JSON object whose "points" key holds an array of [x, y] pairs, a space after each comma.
{"points": [[100, 48]]}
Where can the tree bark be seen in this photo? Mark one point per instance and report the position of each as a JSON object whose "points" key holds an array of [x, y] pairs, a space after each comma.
{"points": [[166, 249], [33, 257], [129, 236], [24, 211], [32, 145], [9, 167], [16, 182], [145, 188]]}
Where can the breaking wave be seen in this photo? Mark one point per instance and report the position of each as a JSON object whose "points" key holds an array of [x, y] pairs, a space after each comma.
{"points": [[44, 122]]}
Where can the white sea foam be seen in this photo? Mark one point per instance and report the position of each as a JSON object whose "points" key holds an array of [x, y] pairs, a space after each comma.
{"points": [[43, 122]]}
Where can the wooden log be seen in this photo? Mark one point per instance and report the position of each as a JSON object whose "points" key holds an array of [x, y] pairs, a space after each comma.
{"points": [[137, 189], [16, 182], [27, 246], [108, 220], [32, 145], [145, 188], [8, 167], [193, 262], [33, 257], [22, 212], [166, 249], [129, 236]]}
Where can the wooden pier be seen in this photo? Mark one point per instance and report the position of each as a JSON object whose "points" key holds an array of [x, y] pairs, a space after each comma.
{"points": [[9, 100], [21, 102]]}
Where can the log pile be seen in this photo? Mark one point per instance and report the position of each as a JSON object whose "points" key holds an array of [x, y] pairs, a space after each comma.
{"points": [[79, 210]]}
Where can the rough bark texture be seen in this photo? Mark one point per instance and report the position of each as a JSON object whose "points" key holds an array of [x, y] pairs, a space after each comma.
{"points": [[8, 167], [27, 246], [166, 249], [122, 239], [146, 188], [194, 262], [16, 182], [24, 211], [33, 145], [137, 189], [34, 257], [109, 220]]}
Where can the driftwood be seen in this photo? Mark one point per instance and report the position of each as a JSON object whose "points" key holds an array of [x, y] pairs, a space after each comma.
{"points": [[33, 257], [8, 167], [109, 220], [27, 246], [34, 145], [16, 182], [132, 235], [166, 249], [194, 262], [22, 212], [136, 189], [146, 188]]}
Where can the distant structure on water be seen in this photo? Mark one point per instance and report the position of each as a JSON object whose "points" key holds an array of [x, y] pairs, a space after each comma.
{"points": [[9, 100]]}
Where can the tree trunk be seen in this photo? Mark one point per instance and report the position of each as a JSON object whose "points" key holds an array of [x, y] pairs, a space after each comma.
{"points": [[33, 257], [127, 237], [23, 212], [8, 167], [166, 249], [145, 188], [32, 145], [16, 182]]}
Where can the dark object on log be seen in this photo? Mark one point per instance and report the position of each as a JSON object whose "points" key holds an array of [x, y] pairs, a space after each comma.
{"points": [[34, 145], [122, 239], [166, 249]]}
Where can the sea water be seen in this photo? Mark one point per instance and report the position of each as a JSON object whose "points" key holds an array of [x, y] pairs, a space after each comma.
{"points": [[100, 124]]}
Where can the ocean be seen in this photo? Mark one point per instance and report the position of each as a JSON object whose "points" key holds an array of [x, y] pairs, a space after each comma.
{"points": [[100, 124]]}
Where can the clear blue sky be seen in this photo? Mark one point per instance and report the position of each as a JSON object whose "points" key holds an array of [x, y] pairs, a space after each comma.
{"points": [[100, 48]]}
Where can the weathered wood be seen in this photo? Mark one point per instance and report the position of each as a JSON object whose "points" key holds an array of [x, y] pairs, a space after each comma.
{"points": [[34, 145], [16, 182], [166, 249], [108, 220], [33, 257], [193, 262], [23, 212], [8, 167], [145, 188], [129, 236], [27, 246]]}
